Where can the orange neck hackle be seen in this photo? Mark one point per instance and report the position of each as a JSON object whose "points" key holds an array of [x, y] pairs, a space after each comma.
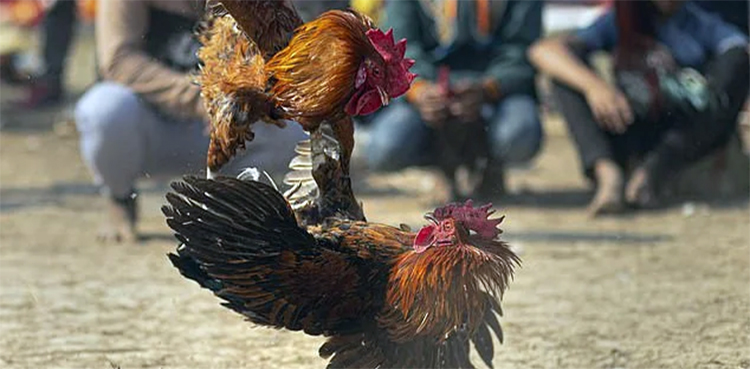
{"points": [[441, 284], [315, 74], [443, 288]]}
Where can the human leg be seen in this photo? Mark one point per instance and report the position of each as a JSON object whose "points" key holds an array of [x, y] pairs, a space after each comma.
{"points": [[121, 138], [598, 157], [58, 28], [398, 139], [111, 144], [514, 136], [515, 130]]}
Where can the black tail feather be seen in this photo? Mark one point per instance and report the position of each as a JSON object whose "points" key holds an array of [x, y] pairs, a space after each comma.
{"points": [[190, 269]]}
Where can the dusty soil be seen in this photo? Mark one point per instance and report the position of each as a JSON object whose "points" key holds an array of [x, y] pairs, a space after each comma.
{"points": [[659, 289]]}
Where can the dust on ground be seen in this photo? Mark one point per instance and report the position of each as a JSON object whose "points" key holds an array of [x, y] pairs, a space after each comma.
{"points": [[659, 289]]}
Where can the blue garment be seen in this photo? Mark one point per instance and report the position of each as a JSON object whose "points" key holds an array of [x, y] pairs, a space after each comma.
{"points": [[692, 35], [499, 55], [399, 138], [732, 11]]}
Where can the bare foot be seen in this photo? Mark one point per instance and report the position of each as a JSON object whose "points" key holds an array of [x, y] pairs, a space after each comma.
{"points": [[608, 197], [640, 190], [120, 225]]}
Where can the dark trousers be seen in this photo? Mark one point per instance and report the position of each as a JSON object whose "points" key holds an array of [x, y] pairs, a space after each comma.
{"points": [[666, 145], [58, 28]]}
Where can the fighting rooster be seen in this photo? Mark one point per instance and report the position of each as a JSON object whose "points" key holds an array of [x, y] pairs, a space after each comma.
{"points": [[337, 66], [307, 260], [385, 297]]}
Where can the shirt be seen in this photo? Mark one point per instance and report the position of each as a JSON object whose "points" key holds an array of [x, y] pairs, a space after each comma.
{"points": [[122, 30], [479, 40], [691, 34]]}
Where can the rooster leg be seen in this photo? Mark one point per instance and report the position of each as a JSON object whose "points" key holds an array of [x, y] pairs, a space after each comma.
{"points": [[330, 169], [343, 130]]}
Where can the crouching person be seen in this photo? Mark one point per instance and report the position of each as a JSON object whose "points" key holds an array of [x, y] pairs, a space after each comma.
{"points": [[681, 79], [145, 116]]}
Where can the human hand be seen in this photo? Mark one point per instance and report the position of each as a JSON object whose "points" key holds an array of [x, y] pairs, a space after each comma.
{"points": [[432, 104], [467, 102], [610, 107]]}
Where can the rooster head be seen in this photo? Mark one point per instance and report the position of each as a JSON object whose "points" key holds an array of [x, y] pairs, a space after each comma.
{"points": [[381, 77], [455, 224]]}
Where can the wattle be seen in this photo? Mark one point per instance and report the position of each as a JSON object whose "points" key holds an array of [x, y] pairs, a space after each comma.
{"points": [[363, 102]]}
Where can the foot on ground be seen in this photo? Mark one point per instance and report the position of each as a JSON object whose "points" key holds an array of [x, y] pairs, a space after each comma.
{"points": [[120, 225], [640, 191], [608, 196]]}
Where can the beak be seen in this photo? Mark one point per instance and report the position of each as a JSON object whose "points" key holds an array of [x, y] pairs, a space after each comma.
{"points": [[384, 98]]}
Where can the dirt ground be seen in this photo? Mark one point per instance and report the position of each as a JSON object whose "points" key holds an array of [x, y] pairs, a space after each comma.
{"points": [[659, 289]]}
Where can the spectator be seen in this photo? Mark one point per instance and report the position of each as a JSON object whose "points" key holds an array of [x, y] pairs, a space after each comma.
{"points": [[146, 116], [58, 28], [732, 11], [688, 117], [483, 45]]}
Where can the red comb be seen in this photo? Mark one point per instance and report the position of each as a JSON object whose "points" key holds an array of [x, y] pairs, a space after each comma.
{"points": [[475, 219], [399, 77]]}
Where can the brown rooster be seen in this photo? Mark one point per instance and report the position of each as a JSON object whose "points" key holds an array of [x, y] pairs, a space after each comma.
{"points": [[337, 66], [384, 297]]}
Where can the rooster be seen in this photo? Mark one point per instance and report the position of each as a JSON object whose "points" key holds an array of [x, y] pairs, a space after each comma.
{"points": [[309, 261], [385, 297], [459, 150], [332, 68]]}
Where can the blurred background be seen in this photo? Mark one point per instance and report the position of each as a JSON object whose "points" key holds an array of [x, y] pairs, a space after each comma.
{"points": [[654, 275]]}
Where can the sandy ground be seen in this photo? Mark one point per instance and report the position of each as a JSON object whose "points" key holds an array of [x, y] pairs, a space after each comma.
{"points": [[659, 289]]}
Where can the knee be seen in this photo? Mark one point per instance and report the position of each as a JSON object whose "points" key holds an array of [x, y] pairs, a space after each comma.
{"points": [[520, 145], [518, 137], [107, 109], [390, 135]]}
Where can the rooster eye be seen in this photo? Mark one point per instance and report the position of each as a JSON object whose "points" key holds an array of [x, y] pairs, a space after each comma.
{"points": [[376, 71]]}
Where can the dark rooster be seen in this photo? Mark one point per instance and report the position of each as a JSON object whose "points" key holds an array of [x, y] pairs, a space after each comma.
{"points": [[384, 297], [462, 158], [337, 66]]}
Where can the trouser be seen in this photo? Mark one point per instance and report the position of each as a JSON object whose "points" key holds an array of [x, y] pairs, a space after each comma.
{"points": [[122, 139], [666, 145], [399, 138], [58, 28]]}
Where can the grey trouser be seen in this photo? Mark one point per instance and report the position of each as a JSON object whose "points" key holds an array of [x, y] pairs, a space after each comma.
{"points": [[123, 139]]}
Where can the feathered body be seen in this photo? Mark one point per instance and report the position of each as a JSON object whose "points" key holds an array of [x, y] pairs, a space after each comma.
{"points": [[308, 261], [268, 23], [252, 70], [314, 77], [382, 300]]}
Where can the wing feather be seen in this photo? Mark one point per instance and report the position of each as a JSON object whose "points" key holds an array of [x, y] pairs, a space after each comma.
{"points": [[240, 239], [269, 23]]}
